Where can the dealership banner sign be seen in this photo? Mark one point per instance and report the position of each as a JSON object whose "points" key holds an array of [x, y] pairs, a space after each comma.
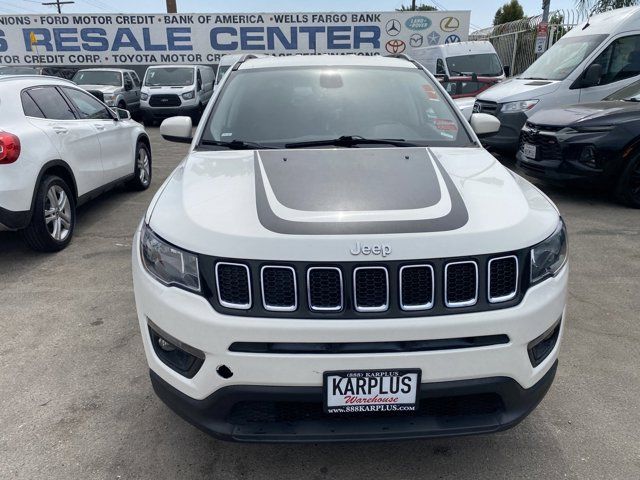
{"points": [[88, 39]]}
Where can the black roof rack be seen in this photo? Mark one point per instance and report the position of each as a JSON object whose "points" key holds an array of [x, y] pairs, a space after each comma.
{"points": [[243, 59], [406, 57]]}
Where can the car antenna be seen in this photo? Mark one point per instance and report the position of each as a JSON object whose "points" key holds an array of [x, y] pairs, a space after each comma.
{"points": [[587, 25]]}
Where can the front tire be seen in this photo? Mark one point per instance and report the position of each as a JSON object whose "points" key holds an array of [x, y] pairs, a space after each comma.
{"points": [[54, 216], [628, 187], [142, 172]]}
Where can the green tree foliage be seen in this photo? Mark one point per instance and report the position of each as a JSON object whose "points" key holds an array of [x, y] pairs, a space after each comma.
{"points": [[599, 6], [509, 12], [421, 8]]}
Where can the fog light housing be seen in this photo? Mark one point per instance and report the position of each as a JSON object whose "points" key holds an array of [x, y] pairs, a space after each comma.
{"points": [[175, 354], [588, 157], [541, 347]]}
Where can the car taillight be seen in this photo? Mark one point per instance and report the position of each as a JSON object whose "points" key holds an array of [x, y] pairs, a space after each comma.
{"points": [[9, 148]]}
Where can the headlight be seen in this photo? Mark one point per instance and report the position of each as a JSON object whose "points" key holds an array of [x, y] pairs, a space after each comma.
{"points": [[188, 95], [168, 264], [549, 256], [144, 96], [521, 106]]}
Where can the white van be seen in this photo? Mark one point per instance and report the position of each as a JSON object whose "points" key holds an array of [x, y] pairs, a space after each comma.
{"points": [[226, 62], [589, 63], [171, 90], [461, 58]]}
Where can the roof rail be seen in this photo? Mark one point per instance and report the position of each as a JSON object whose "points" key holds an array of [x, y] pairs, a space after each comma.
{"points": [[404, 56], [35, 76], [243, 59]]}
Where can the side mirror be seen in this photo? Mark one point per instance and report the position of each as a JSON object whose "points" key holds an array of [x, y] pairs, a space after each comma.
{"points": [[177, 129], [128, 86], [591, 76], [507, 70], [484, 124], [122, 114]]}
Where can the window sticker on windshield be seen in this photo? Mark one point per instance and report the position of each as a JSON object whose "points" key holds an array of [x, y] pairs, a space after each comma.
{"points": [[430, 91], [445, 125], [226, 134]]}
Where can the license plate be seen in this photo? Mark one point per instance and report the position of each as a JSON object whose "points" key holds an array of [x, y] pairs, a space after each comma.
{"points": [[365, 391], [529, 151]]}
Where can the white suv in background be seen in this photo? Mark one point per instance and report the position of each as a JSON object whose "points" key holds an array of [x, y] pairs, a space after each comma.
{"points": [[338, 260], [59, 147]]}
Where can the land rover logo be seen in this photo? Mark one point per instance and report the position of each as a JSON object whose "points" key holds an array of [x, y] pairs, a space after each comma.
{"points": [[375, 249], [418, 22]]}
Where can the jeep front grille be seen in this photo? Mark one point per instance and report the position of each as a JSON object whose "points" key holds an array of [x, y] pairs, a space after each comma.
{"points": [[371, 289], [365, 289], [325, 289]]}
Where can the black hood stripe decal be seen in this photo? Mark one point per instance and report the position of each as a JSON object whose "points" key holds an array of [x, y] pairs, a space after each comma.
{"points": [[456, 218]]}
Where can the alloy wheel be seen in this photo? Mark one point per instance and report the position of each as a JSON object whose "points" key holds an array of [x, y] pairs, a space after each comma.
{"points": [[57, 213], [143, 166]]}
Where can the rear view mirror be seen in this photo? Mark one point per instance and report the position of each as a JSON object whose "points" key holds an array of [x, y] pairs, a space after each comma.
{"points": [[484, 124], [122, 114], [177, 129]]}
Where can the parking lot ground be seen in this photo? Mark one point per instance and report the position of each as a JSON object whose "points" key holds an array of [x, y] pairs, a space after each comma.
{"points": [[76, 402]]}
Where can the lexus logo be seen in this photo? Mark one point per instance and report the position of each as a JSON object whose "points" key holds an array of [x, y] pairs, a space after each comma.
{"points": [[393, 27], [395, 47], [449, 24]]}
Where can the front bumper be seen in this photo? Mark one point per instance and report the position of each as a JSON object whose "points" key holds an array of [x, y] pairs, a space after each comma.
{"points": [[157, 113], [11, 220], [503, 371], [508, 136]]}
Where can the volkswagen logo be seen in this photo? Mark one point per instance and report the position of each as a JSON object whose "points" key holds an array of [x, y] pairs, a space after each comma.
{"points": [[449, 24], [453, 39], [416, 40], [393, 27], [395, 47]]}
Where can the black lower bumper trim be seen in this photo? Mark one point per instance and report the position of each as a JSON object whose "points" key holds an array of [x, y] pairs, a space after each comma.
{"points": [[294, 414], [14, 220]]}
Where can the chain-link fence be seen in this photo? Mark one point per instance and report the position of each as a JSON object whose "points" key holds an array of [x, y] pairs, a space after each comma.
{"points": [[515, 41]]}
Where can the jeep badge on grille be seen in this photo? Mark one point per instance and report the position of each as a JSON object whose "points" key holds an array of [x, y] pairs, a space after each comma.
{"points": [[376, 249]]}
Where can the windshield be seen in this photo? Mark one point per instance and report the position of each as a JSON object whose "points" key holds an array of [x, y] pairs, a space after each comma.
{"points": [[98, 77], [18, 71], [563, 58], [169, 77], [274, 107], [484, 65], [630, 93], [222, 70]]}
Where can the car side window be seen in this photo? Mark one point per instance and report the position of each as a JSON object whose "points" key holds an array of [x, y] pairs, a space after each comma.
{"points": [[136, 80], [30, 107], [88, 106], [440, 67], [620, 60], [51, 103], [128, 83], [199, 80]]}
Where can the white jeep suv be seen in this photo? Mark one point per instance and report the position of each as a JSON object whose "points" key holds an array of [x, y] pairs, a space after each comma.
{"points": [[337, 258], [59, 147]]}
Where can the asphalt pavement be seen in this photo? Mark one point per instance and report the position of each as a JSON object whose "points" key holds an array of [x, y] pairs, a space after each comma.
{"points": [[76, 401]]}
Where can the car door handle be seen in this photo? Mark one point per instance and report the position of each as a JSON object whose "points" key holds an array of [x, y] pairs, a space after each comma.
{"points": [[61, 130], [98, 126]]}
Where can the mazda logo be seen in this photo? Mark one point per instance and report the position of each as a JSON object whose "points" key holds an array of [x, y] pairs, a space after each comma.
{"points": [[395, 46], [416, 40], [393, 27]]}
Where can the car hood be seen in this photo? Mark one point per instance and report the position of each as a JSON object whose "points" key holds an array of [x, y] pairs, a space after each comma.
{"points": [[102, 88], [516, 89], [315, 204], [585, 112]]}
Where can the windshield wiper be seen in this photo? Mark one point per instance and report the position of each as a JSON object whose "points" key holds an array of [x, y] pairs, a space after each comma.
{"points": [[350, 141], [235, 144]]}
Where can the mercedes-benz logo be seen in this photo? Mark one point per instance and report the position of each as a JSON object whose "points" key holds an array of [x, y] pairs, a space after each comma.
{"points": [[393, 27]]}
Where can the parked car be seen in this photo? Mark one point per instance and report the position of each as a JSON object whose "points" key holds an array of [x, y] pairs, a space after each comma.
{"points": [[170, 90], [338, 260], [466, 86], [59, 147], [16, 70], [461, 59], [596, 144], [588, 64], [114, 86]]}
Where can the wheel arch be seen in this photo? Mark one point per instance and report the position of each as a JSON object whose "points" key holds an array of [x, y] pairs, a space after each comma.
{"points": [[59, 168], [144, 138]]}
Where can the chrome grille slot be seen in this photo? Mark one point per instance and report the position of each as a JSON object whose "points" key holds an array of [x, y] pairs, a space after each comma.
{"points": [[325, 289], [233, 283], [279, 289], [371, 289], [417, 287], [461, 284], [503, 278]]}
